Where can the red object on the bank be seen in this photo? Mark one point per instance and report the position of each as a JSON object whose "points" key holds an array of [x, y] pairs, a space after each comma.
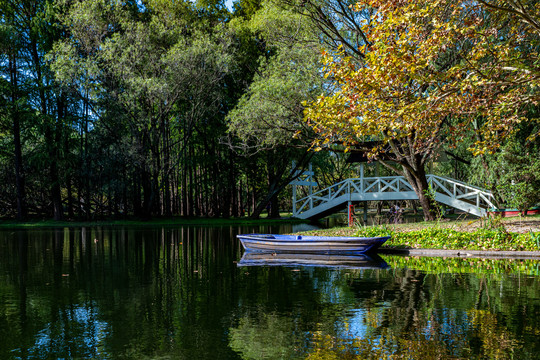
{"points": [[351, 215]]}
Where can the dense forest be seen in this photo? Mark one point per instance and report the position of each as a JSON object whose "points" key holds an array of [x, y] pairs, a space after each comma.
{"points": [[149, 108]]}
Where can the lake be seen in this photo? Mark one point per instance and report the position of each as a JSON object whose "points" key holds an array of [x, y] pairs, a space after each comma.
{"points": [[183, 293]]}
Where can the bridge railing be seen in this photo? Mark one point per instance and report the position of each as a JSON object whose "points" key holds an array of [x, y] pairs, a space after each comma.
{"points": [[385, 184], [387, 188], [459, 190]]}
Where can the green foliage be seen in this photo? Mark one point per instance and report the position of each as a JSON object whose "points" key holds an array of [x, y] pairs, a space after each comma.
{"points": [[246, 8], [431, 72], [536, 238], [270, 113], [374, 231], [132, 107], [487, 238], [157, 74], [513, 172], [520, 176]]}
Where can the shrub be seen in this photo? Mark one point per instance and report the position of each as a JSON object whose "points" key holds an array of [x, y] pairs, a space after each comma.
{"points": [[443, 238]]}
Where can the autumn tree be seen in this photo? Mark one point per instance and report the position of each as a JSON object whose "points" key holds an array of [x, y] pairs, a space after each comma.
{"points": [[429, 71]]}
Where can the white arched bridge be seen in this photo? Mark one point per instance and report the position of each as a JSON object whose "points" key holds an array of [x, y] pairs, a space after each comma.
{"points": [[318, 204]]}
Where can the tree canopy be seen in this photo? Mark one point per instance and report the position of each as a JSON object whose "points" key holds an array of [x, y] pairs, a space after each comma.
{"points": [[430, 71], [160, 108]]}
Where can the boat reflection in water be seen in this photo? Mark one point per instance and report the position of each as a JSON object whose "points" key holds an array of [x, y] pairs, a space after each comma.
{"points": [[371, 261]]}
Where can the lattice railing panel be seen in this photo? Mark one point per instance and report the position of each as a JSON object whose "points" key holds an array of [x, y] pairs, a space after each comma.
{"points": [[393, 188]]}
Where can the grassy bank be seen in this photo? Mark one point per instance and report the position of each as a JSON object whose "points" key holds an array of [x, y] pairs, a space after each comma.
{"points": [[176, 221], [483, 234]]}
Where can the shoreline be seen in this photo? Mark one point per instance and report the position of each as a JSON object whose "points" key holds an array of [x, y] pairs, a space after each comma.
{"points": [[177, 221], [513, 238]]}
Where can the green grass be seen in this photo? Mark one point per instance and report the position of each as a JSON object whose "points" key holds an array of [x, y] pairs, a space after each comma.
{"points": [[480, 234], [445, 238]]}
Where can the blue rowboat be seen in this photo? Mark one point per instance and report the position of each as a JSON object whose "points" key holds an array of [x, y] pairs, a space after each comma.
{"points": [[310, 244], [360, 261]]}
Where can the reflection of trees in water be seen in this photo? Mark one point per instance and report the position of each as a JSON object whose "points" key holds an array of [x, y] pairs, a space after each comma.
{"points": [[427, 318], [429, 340], [279, 307], [400, 313], [264, 335], [177, 292], [151, 288]]}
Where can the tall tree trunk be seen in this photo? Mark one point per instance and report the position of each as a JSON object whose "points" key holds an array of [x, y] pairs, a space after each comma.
{"points": [[191, 186], [56, 192], [207, 183], [274, 207], [254, 203], [167, 172], [146, 178], [84, 174], [232, 186], [277, 163], [420, 185], [240, 208], [215, 185], [69, 189], [19, 173], [185, 167], [413, 168], [270, 201], [184, 201], [56, 195], [137, 208], [51, 133]]}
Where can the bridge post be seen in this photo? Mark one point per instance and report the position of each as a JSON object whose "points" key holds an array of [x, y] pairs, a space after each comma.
{"points": [[294, 200], [365, 212], [362, 177], [293, 190], [302, 178], [310, 179], [350, 213]]}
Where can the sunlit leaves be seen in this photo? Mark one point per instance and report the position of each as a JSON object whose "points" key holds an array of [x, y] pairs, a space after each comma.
{"points": [[270, 113], [430, 61]]}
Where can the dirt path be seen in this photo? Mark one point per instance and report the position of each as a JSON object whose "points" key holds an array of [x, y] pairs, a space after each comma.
{"points": [[515, 225]]}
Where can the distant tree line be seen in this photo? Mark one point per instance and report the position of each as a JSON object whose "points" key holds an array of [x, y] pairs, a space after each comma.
{"points": [[119, 108], [148, 108]]}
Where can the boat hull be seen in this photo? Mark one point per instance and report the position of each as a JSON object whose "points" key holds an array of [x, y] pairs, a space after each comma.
{"points": [[310, 244]]}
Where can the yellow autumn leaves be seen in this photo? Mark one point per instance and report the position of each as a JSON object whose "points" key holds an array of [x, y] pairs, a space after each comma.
{"points": [[428, 62]]}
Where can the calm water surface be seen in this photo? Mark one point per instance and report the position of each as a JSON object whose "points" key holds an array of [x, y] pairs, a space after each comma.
{"points": [[179, 293]]}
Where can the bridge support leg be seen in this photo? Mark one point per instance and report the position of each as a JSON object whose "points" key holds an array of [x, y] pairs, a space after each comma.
{"points": [[350, 213], [294, 200], [365, 212]]}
